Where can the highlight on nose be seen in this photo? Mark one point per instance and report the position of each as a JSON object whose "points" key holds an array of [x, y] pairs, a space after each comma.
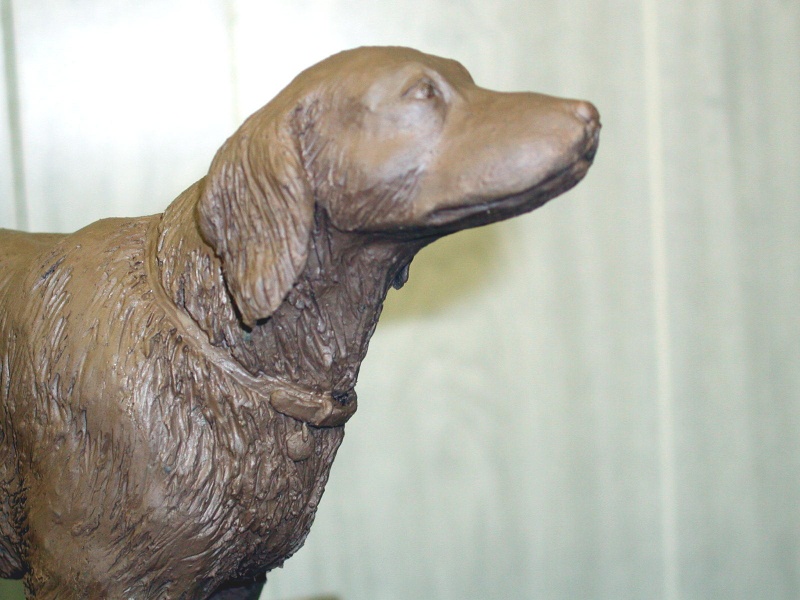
{"points": [[587, 112], [590, 117]]}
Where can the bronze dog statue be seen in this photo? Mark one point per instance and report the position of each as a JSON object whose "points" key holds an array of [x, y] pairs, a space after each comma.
{"points": [[174, 387]]}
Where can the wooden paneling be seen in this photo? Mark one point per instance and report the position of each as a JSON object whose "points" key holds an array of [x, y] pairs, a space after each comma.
{"points": [[123, 104], [732, 233], [8, 217]]}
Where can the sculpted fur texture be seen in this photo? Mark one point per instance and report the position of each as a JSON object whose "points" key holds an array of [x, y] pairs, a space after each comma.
{"points": [[174, 388]]}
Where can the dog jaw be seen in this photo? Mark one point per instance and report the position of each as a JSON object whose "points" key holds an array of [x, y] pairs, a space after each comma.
{"points": [[553, 180]]}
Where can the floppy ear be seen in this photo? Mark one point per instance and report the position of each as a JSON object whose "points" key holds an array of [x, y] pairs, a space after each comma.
{"points": [[257, 212]]}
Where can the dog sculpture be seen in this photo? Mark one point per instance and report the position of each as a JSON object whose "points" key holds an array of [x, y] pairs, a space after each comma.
{"points": [[174, 387]]}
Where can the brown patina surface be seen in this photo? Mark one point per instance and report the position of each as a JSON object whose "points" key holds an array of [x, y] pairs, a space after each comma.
{"points": [[174, 387]]}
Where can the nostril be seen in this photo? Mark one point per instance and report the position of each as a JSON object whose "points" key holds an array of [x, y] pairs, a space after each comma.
{"points": [[592, 151], [587, 112]]}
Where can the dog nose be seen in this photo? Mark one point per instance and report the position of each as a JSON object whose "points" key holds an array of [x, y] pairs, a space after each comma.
{"points": [[587, 112]]}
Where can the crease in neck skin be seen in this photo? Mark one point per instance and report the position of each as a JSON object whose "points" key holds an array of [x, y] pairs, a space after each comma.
{"points": [[317, 337]]}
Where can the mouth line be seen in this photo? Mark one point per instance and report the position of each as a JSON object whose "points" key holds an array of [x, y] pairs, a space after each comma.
{"points": [[483, 211], [497, 209]]}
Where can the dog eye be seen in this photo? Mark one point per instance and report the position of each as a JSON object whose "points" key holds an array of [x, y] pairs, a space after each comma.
{"points": [[422, 90]]}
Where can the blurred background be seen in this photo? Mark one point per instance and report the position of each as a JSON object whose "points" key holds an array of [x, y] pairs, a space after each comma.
{"points": [[600, 400]]}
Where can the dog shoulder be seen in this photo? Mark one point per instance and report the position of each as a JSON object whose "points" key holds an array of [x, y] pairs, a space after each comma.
{"points": [[66, 293], [18, 249]]}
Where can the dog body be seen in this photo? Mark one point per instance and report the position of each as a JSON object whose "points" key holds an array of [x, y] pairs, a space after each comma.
{"points": [[174, 387], [138, 436]]}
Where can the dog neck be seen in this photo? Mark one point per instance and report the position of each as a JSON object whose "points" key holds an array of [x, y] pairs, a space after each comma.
{"points": [[318, 336]]}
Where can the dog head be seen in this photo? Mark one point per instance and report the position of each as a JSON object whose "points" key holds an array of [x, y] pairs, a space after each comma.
{"points": [[386, 141]]}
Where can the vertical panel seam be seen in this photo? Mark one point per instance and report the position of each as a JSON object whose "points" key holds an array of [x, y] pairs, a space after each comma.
{"points": [[14, 120], [231, 24], [663, 339]]}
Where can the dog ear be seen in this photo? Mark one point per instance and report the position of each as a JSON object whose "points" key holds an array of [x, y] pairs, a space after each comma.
{"points": [[257, 211]]}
